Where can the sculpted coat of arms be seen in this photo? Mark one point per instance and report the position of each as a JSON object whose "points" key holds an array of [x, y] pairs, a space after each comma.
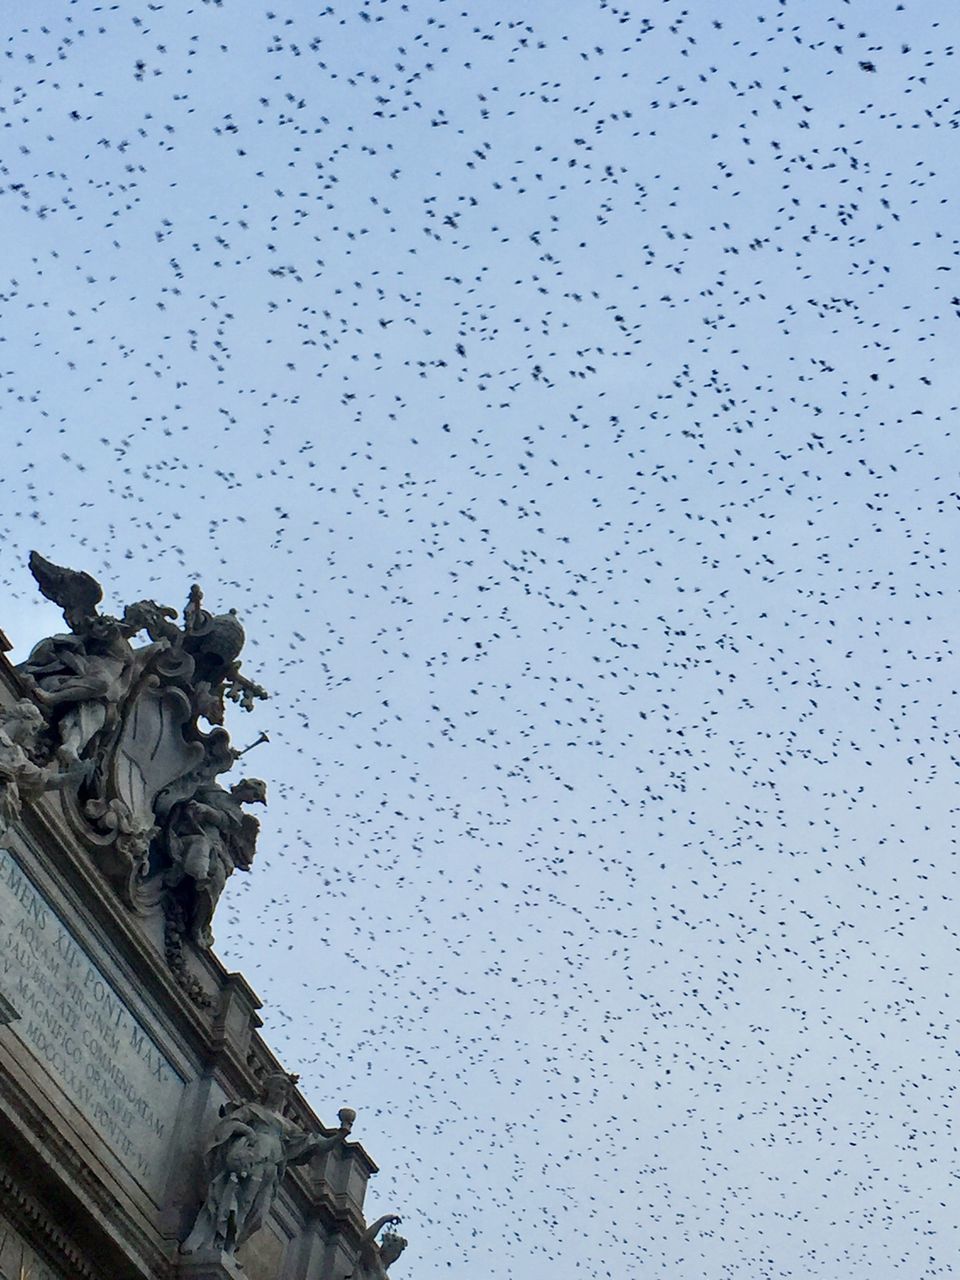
{"points": [[132, 734]]}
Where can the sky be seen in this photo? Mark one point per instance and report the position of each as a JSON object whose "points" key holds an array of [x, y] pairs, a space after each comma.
{"points": [[563, 394]]}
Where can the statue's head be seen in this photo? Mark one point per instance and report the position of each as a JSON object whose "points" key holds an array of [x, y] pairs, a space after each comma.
{"points": [[391, 1247], [22, 722], [277, 1089], [250, 791], [103, 631]]}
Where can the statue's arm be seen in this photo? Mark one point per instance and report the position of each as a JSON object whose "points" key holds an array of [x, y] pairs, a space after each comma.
{"points": [[225, 1133], [298, 1150], [143, 653], [375, 1228], [85, 688], [324, 1144], [54, 780]]}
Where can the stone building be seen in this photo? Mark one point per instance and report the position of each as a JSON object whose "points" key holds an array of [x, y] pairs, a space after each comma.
{"points": [[146, 1130]]}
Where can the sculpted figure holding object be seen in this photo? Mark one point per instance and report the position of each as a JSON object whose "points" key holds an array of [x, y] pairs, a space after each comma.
{"points": [[246, 1159], [374, 1258]]}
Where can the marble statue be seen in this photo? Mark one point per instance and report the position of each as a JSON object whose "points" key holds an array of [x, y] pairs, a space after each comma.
{"points": [[245, 1160], [208, 838], [83, 680], [20, 777], [373, 1258]]}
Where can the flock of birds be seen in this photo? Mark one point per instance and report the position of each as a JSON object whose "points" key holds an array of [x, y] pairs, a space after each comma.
{"points": [[564, 398]]}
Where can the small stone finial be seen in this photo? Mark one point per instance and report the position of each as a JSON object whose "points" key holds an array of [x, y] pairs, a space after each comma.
{"points": [[346, 1116]]}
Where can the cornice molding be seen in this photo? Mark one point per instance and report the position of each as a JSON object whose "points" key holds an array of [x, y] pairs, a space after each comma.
{"points": [[77, 1179], [30, 1219]]}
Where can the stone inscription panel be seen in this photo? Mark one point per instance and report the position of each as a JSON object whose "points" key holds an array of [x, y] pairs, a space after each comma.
{"points": [[80, 1030]]}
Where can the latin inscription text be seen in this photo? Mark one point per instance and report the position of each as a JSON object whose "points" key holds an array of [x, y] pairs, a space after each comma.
{"points": [[78, 1027]]}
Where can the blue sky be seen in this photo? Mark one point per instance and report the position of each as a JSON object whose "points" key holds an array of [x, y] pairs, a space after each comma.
{"points": [[564, 397]]}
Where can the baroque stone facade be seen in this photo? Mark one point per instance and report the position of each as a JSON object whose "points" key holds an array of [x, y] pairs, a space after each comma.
{"points": [[146, 1130]]}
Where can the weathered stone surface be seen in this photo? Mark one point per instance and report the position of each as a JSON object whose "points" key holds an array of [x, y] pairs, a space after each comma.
{"points": [[211, 1266], [19, 1258], [262, 1257], [208, 837], [7, 1012], [21, 779], [375, 1256], [80, 1030], [246, 1158]]}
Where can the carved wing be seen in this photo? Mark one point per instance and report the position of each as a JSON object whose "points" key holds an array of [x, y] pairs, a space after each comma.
{"points": [[75, 592]]}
